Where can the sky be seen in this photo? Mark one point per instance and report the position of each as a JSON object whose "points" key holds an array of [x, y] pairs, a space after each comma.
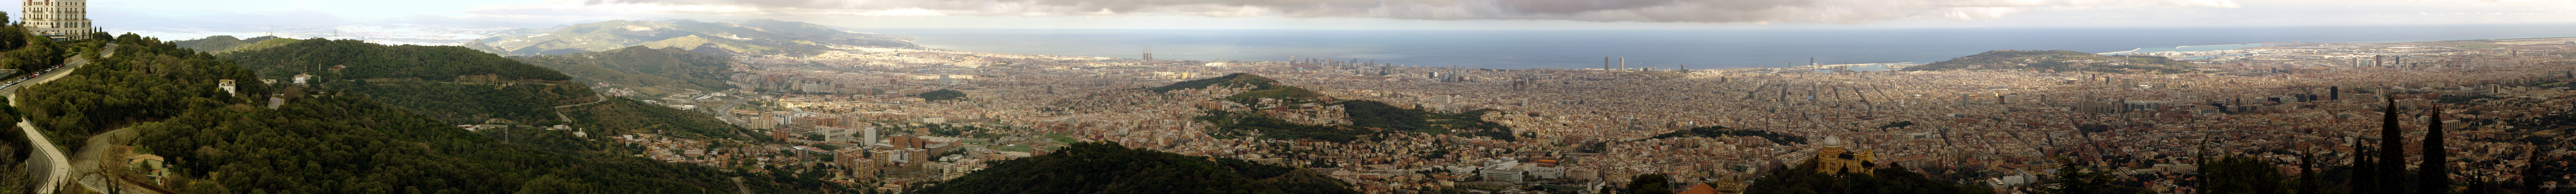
{"points": [[447, 21]]}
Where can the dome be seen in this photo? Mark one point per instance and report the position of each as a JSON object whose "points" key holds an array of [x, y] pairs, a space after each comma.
{"points": [[1833, 141]]}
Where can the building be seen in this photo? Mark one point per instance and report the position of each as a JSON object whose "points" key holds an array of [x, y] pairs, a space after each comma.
{"points": [[1504, 173], [1834, 160], [228, 87], [837, 134], [915, 157], [57, 19], [868, 135]]}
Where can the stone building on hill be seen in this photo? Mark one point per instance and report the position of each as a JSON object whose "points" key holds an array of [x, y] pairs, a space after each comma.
{"points": [[1834, 160]]}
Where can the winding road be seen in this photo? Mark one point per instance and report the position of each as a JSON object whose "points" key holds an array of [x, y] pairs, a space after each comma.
{"points": [[48, 165]]}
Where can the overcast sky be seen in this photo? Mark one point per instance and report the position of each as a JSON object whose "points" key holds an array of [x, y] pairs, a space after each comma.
{"points": [[1366, 14], [453, 21]]}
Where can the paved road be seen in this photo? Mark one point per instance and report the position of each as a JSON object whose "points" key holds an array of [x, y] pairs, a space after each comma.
{"points": [[48, 165]]}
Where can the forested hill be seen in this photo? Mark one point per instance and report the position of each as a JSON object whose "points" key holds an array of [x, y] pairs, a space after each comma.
{"points": [[364, 60], [461, 86], [2058, 60], [1100, 167], [1236, 80], [325, 141], [668, 69]]}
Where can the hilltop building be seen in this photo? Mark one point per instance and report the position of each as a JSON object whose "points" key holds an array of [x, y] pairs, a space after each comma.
{"points": [[1833, 159], [57, 19]]}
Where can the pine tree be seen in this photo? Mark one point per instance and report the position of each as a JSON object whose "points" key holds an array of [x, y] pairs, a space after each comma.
{"points": [[2436, 178]]}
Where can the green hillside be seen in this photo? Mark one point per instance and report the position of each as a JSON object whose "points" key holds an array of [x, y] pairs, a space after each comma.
{"points": [[369, 60], [1366, 117], [2059, 61], [1100, 167], [660, 70], [321, 141], [1236, 80], [475, 88]]}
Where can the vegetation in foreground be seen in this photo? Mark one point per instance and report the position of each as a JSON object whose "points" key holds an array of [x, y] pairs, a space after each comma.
{"points": [[1106, 167]]}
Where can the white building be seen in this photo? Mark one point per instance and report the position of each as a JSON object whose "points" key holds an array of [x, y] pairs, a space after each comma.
{"points": [[58, 19], [1503, 173]]}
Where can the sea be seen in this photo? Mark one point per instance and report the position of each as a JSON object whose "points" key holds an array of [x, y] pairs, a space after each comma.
{"points": [[1665, 49]]}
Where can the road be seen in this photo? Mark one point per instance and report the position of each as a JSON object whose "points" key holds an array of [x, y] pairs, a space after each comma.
{"points": [[559, 109], [48, 165], [85, 162]]}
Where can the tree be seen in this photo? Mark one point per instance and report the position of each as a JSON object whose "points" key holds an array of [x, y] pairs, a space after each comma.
{"points": [[2392, 153], [1650, 184], [2240, 175], [2308, 174], [2436, 177], [2079, 180], [942, 94]]}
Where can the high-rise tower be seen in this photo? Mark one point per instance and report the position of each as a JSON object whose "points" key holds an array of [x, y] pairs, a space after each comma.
{"points": [[59, 19], [1149, 55]]}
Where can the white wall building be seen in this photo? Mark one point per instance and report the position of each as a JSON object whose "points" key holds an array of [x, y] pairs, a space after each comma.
{"points": [[59, 19]]}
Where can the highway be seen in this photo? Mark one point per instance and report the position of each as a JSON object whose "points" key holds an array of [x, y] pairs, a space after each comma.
{"points": [[48, 165]]}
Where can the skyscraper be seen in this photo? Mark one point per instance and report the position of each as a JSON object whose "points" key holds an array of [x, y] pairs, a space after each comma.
{"points": [[59, 19]]}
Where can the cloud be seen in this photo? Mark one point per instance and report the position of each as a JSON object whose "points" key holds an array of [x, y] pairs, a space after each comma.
{"points": [[1702, 11]]}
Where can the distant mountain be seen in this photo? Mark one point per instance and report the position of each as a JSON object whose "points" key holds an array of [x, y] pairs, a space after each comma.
{"points": [[759, 36], [2060, 61], [1100, 167], [665, 69]]}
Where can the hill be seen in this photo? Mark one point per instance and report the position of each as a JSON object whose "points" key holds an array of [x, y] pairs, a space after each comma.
{"points": [[1236, 80], [362, 60], [762, 36], [458, 85], [1365, 117], [1101, 167], [2059, 61], [653, 71], [230, 142]]}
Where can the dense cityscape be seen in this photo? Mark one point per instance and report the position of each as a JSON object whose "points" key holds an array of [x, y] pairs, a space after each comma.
{"points": [[757, 105], [1590, 130]]}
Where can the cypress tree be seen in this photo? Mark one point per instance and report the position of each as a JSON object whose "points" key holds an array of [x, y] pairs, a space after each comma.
{"points": [[2436, 179], [2392, 151]]}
